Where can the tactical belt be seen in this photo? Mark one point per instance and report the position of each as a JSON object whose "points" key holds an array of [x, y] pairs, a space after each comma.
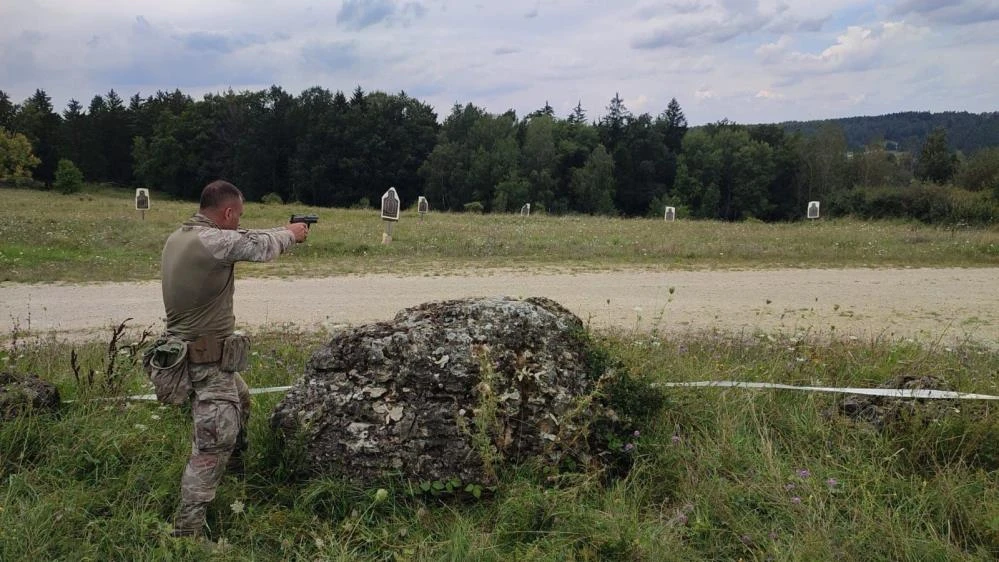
{"points": [[206, 349]]}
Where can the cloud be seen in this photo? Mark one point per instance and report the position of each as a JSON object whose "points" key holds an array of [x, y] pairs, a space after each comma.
{"points": [[697, 24], [637, 104], [141, 25], [772, 52], [218, 42], [499, 51], [360, 14], [769, 95], [705, 93], [857, 49], [955, 12]]}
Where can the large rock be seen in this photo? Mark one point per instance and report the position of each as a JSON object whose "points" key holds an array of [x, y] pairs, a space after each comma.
{"points": [[446, 390], [20, 394]]}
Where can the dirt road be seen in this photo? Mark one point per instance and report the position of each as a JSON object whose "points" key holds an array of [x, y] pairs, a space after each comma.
{"points": [[925, 304]]}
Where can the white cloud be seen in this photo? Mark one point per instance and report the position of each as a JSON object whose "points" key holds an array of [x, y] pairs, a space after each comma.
{"points": [[958, 12], [704, 93], [769, 95], [637, 105], [858, 48], [771, 52], [718, 21]]}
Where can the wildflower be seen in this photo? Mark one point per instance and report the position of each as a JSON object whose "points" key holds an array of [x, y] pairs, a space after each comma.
{"points": [[381, 495], [831, 482], [629, 447], [796, 500], [773, 535], [788, 487], [636, 433], [320, 543], [236, 507], [746, 540], [804, 473], [676, 439], [140, 427], [154, 417], [681, 519]]}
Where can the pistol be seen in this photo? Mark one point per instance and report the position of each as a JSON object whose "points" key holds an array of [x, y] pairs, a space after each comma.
{"points": [[309, 220]]}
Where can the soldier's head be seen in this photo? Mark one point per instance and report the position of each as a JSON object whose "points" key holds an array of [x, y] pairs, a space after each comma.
{"points": [[223, 203]]}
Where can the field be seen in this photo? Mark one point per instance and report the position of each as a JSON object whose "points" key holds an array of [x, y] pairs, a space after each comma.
{"points": [[717, 475], [98, 236]]}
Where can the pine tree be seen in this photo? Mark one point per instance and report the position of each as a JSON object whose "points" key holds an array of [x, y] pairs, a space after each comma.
{"points": [[675, 125], [936, 162], [578, 115]]}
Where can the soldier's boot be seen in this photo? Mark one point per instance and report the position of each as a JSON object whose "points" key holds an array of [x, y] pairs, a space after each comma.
{"points": [[189, 520]]}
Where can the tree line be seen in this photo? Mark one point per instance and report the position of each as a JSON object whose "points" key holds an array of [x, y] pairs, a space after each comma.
{"points": [[325, 148], [908, 130]]}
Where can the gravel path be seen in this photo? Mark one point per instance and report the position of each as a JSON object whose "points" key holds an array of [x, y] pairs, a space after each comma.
{"points": [[925, 304]]}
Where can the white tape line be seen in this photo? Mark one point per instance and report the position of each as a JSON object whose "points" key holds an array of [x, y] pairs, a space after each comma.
{"points": [[252, 391], [886, 392]]}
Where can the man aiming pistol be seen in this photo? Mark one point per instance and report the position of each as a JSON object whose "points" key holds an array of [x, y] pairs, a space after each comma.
{"points": [[200, 355]]}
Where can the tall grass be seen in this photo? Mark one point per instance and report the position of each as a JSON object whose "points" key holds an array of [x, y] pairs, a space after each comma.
{"points": [[721, 474], [97, 236]]}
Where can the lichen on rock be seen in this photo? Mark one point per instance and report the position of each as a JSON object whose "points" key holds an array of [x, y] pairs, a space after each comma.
{"points": [[446, 390]]}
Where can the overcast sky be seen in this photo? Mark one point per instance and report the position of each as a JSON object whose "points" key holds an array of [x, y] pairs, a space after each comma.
{"points": [[749, 61]]}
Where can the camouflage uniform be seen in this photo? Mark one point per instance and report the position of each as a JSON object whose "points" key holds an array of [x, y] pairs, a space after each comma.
{"points": [[198, 286]]}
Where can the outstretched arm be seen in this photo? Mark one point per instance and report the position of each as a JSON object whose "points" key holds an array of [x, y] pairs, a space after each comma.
{"points": [[253, 245]]}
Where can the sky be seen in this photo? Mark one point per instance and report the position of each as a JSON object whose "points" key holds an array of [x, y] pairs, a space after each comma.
{"points": [[748, 61]]}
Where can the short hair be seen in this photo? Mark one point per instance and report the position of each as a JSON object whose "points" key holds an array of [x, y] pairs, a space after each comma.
{"points": [[217, 193]]}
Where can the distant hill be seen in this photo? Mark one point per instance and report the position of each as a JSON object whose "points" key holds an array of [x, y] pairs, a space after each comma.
{"points": [[966, 132]]}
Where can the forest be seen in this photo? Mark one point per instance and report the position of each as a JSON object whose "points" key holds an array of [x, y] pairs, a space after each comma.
{"points": [[329, 148]]}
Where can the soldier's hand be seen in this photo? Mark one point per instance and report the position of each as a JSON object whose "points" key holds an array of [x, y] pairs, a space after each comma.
{"points": [[299, 229]]}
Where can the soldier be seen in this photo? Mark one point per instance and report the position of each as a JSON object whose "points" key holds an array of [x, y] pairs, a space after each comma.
{"points": [[197, 277]]}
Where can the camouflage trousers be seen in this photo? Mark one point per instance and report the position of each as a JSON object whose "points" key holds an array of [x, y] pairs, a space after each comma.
{"points": [[221, 410]]}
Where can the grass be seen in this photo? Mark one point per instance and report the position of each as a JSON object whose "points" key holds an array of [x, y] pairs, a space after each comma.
{"points": [[720, 475], [97, 236]]}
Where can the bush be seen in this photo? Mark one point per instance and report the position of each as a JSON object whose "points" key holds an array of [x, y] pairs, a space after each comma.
{"points": [[474, 207], [981, 171], [927, 203], [68, 178], [272, 199]]}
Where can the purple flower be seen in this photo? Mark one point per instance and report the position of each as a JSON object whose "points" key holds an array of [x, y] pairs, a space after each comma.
{"points": [[788, 487], [804, 473], [675, 439], [746, 540], [637, 433], [831, 482], [682, 519], [796, 500], [629, 447]]}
